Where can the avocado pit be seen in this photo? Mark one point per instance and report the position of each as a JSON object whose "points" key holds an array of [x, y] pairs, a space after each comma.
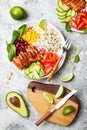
{"points": [[15, 101]]}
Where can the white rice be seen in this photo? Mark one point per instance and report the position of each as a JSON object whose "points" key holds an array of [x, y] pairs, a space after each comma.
{"points": [[50, 41]]}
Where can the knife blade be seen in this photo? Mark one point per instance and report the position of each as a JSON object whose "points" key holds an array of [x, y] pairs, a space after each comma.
{"points": [[57, 106]]}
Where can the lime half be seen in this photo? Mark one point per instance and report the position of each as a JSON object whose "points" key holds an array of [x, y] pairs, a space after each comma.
{"points": [[68, 109], [67, 77], [17, 13], [38, 29], [48, 97], [43, 24], [60, 92]]}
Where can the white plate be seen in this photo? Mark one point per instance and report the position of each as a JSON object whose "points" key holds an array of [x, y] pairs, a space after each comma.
{"points": [[59, 52]]}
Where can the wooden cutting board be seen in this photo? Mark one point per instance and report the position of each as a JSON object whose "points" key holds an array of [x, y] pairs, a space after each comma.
{"points": [[35, 95]]}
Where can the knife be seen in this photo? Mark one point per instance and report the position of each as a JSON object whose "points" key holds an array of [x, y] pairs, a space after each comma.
{"points": [[57, 106]]}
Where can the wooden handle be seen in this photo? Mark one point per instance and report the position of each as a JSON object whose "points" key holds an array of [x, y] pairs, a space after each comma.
{"points": [[43, 118], [53, 70]]}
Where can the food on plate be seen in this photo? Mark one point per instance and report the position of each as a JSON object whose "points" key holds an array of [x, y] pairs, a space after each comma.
{"points": [[80, 21], [68, 109], [73, 14], [34, 71], [31, 36], [48, 97], [48, 61], [24, 58], [28, 48], [16, 102], [67, 77], [60, 93], [76, 5], [17, 13], [64, 13]]}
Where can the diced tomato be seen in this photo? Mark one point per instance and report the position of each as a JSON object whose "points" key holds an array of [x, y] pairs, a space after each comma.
{"points": [[81, 26], [85, 20], [73, 23], [48, 61], [78, 19], [83, 14]]}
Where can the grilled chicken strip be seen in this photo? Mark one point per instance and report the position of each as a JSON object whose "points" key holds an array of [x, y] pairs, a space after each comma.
{"points": [[25, 58], [76, 5]]}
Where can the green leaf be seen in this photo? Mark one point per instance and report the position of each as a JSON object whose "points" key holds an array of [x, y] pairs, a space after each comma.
{"points": [[22, 29], [67, 27], [85, 30], [76, 59], [11, 51], [15, 36]]}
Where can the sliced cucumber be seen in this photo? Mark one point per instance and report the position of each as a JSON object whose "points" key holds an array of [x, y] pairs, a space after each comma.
{"points": [[61, 14], [69, 12], [63, 7], [61, 17], [67, 19], [58, 9], [73, 13]]}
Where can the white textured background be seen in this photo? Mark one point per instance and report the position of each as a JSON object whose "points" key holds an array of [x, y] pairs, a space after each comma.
{"points": [[38, 9]]}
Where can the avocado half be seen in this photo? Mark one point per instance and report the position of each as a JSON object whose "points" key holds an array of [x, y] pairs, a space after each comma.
{"points": [[16, 102]]}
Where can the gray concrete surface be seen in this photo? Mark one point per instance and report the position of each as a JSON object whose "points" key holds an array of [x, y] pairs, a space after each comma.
{"points": [[38, 9]]}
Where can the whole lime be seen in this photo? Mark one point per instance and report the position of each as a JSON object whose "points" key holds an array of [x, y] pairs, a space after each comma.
{"points": [[17, 13]]}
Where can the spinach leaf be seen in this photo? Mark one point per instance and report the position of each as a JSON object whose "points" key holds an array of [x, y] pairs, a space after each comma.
{"points": [[15, 36], [67, 27], [85, 30], [22, 29], [11, 51], [77, 58]]}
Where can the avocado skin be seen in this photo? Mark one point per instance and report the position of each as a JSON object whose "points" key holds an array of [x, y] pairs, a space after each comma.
{"points": [[25, 106]]}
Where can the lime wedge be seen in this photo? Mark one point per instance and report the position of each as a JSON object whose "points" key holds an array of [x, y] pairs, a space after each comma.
{"points": [[68, 109], [60, 92], [67, 77], [43, 24], [48, 97], [38, 29]]}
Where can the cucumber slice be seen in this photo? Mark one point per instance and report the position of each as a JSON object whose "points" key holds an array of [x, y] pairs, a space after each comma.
{"points": [[67, 19], [61, 14], [69, 12], [73, 13], [61, 17], [58, 9], [62, 6]]}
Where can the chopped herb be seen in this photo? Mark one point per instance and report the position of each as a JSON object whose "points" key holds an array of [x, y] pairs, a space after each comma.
{"points": [[77, 58], [67, 27]]}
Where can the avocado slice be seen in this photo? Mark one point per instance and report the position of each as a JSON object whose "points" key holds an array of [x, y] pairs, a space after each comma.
{"points": [[16, 102], [35, 71], [62, 6]]}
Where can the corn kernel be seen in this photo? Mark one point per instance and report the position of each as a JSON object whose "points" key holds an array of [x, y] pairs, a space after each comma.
{"points": [[11, 73], [6, 82], [31, 36]]}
